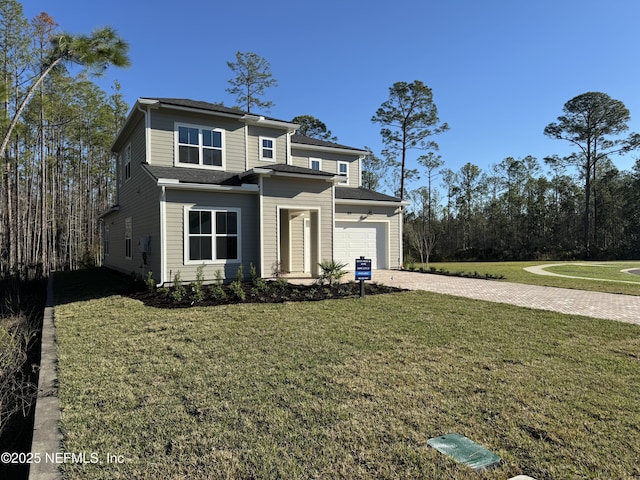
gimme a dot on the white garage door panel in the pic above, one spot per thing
(352, 240)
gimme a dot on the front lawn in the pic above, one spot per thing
(343, 388)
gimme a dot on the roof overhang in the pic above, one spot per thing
(174, 184)
(322, 148)
(267, 122)
(115, 208)
(268, 172)
(382, 203)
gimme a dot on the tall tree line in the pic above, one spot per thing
(57, 168)
(522, 209)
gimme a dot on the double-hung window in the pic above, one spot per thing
(315, 163)
(343, 171)
(127, 238)
(200, 146)
(212, 235)
(267, 149)
(127, 163)
(107, 239)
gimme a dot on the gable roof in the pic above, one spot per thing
(198, 104)
(192, 175)
(351, 193)
(315, 142)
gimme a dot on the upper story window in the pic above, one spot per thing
(267, 149)
(315, 164)
(200, 146)
(343, 171)
(127, 163)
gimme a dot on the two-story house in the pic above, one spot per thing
(199, 183)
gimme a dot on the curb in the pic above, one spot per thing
(47, 437)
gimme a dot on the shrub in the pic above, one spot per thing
(150, 282)
(237, 290)
(198, 291)
(332, 271)
(179, 291)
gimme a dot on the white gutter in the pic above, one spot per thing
(260, 120)
(321, 148)
(176, 185)
(349, 201)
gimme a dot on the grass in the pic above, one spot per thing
(514, 272)
(343, 389)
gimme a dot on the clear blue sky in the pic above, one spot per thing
(500, 70)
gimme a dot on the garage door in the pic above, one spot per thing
(352, 240)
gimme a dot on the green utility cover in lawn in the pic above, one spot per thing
(465, 451)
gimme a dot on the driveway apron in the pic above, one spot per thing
(623, 308)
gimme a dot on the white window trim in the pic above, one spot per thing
(126, 164)
(213, 210)
(176, 147)
(346, 177)
(313, 159)
(128, 236)
(273, 149)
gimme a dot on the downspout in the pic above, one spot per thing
(163, 236)
(147, 129)
(246, 147)
(401, 242)
(261, 225)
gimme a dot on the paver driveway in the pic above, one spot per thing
(624, 308)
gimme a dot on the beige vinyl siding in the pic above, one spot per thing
(176, 202)
(300, 158)
(163, 126)
(296, 194)
(360, 213)
(254, 134)
(138, 156)
(139, 200)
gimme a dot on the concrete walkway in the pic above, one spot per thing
(623, 308)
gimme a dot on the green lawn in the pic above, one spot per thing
(514, 272)
(343, 389)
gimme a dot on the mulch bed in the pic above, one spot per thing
(270, 292)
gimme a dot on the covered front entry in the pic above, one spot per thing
(299, 240)
(355, 239)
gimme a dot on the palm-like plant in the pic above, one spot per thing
(332, 271)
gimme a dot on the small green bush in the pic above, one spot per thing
(196, 287)
(237, 290)
(178, 291)
(150, 282)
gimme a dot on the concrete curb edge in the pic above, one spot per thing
(47, 436)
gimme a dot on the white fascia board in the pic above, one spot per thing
(260, 120)
(350, 201)
(304, 175)
(322, 148)
(174, 184)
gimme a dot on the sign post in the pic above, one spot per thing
(363, 272)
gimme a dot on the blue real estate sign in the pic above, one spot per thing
(363, 268)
